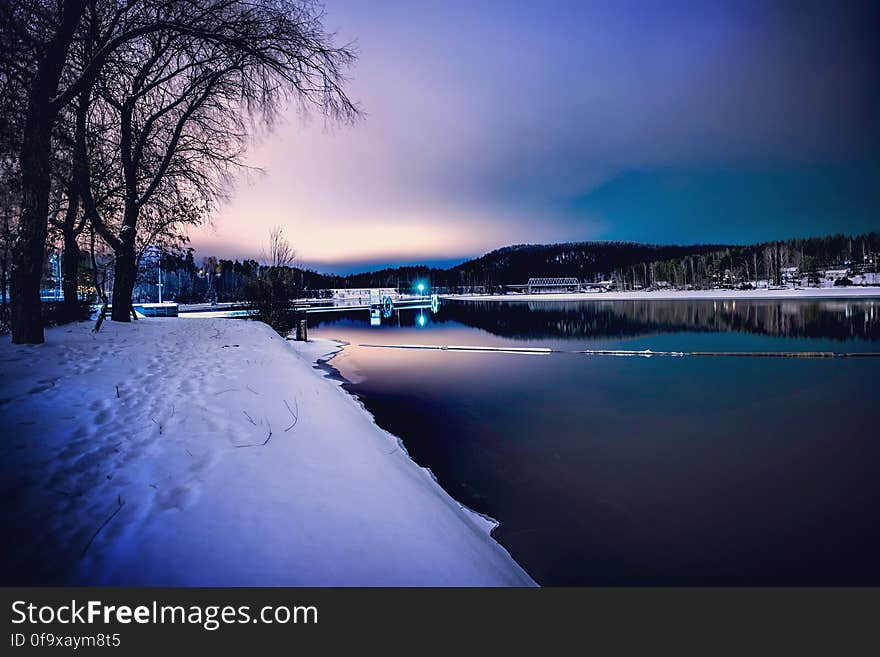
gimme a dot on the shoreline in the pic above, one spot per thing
(683, 295)
(331, 373)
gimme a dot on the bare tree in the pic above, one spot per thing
(272, 292)
(12, 103)
(42, 32)
(66, 217)
(186, 104)
(192, 68)
(280, 252)
(8, 212)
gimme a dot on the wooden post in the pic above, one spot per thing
(302, 327)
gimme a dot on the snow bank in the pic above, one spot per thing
(213, 452)
(667, 295)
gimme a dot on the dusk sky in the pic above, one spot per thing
(495, 123)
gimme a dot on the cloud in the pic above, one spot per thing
(489, 123)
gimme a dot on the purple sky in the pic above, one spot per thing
(492, 123)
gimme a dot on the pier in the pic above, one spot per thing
(378, 306)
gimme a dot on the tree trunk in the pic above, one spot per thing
(34, 159)
(70, 276)
(124, 274)
(29, 249)
(4, 258)
(3, 281)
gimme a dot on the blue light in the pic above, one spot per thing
(421, 287)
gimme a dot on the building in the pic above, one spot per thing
(790, 275)
(832, 275)
(553, 285)
(362, 296)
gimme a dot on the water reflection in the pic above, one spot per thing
(642, 471)
(837, 320)
(840, 320)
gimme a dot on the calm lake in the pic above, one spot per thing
(633, 470)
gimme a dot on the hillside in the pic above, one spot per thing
(584, 260)
(640, 265)
(515, 264)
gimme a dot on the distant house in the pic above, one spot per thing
(790, 275)
(832, 275)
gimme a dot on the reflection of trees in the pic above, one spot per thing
(820, 319)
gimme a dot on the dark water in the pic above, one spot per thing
(610, 470)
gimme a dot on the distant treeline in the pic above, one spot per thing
(629, 265)
(776, 263)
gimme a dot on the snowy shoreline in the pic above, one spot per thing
(321, 352)
(212, 452)
(321, 357)
(685, 295)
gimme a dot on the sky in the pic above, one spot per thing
(493, 123)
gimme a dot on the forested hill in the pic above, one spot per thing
(515, 264)
(631, 264)
(583, 260)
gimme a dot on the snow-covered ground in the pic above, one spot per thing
(213, 452)
(661, 295)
